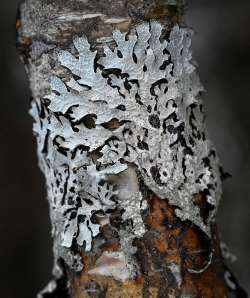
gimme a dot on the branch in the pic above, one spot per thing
(133, 182)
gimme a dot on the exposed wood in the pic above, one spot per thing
(168, 241)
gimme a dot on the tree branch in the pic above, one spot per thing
(133, 182)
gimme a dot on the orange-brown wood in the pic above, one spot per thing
(167, 241)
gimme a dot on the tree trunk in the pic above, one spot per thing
(133, 182)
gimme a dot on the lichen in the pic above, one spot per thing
(176, 271)
(228, 279)
(136, 106)
(226, 253)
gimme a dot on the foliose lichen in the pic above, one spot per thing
(137, 106)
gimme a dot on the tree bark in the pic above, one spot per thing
(164, 249)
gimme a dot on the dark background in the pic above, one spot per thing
(222, 49)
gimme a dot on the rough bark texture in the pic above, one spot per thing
(175, 258)
(168, 241)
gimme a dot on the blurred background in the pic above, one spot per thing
(221, 46)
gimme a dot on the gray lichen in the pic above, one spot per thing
(50, 288)
(134, 111)
(176, 271)
(228, 279)
(226, 253)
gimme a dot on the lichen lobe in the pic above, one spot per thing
(133, 112)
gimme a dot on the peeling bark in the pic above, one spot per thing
(129, 231)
